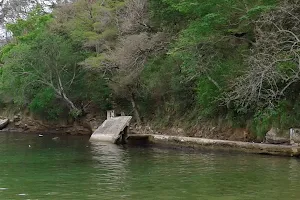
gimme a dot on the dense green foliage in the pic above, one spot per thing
(213, 52)
(41, 69)
(166, 59)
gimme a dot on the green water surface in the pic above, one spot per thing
(33, 167)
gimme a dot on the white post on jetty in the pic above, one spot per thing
(110, 114)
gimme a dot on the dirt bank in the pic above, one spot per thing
(204, 130)
(28, 124)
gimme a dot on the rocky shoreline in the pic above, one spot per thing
(23, 124)
(284, 143)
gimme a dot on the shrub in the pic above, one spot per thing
(45, 105)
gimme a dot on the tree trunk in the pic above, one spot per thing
(70, 104)
(75, 112)
(135, 110)
(214, 82)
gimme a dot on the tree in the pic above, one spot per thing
(119, 37)
(130, 57)
(39, 59)
(93, 24)
(49, 61)
(136, 43)
(273, 67)
(11, 10)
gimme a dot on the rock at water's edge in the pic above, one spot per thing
(274, 136)
(3, 123)
(295, 135)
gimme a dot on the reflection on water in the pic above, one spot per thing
(110, 159)
(75, 169)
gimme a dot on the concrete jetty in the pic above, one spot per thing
(248, 147)
(224, 145)
(113, 130)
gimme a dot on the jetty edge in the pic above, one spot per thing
(198, 143)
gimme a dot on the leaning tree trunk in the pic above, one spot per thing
(75, 112)
(135, 110)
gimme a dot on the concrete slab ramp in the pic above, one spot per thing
(112, 129)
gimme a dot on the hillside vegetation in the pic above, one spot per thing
(167, 62)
